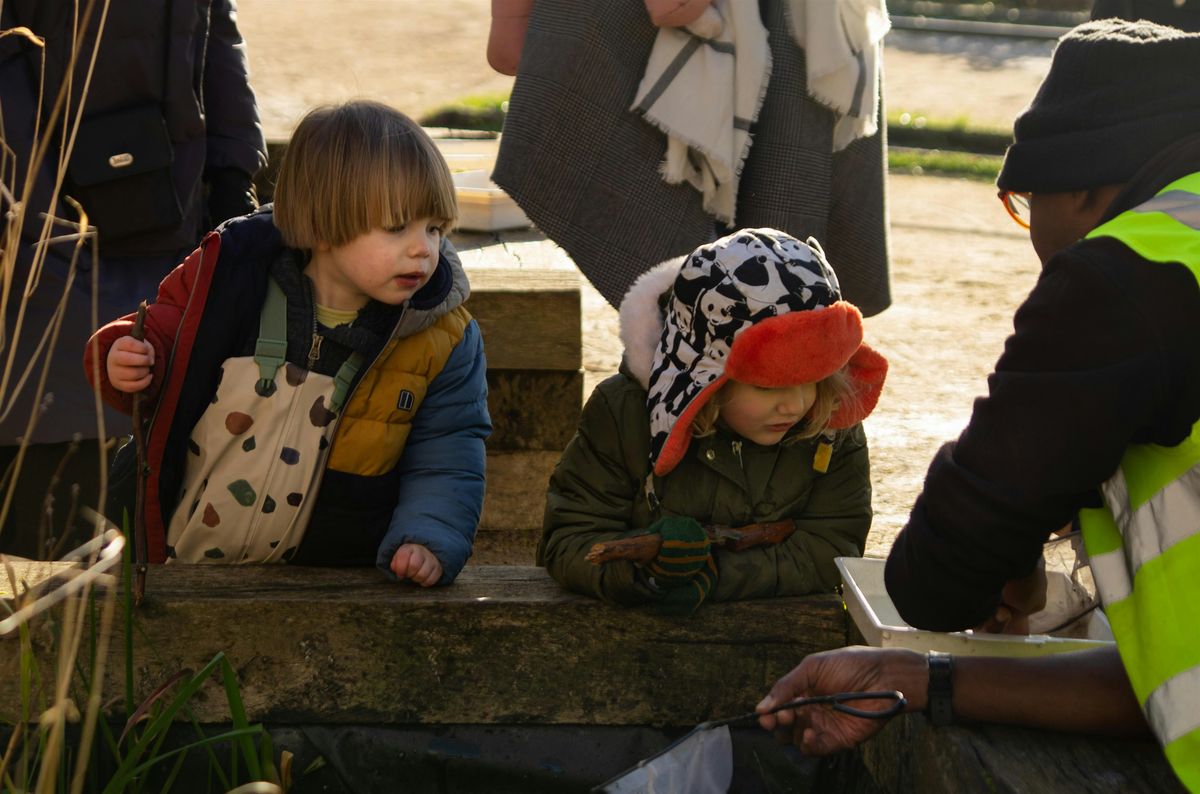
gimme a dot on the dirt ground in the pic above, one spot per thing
(959, 265)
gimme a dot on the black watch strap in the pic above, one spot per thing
(941, 688)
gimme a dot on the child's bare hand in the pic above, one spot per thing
(414, 561)
(129, 364)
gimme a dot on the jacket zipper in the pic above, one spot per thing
(338, 419)
(314, 350)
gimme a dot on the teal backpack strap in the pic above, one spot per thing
(270, 351)
(343, 379)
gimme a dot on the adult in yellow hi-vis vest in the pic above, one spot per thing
(1092, 418)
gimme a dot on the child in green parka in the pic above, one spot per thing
(740, 398)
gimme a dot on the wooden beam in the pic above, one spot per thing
(530, 318)
(533, 409)
(910, 755)
(501, 645)
(516, 489)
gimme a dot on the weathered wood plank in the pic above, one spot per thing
(911, 755)
(530, 319)
(516, 489)
(502, 645)
(533, 409)
(21, 575)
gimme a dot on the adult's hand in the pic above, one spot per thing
(819, 730)
(230, 194)
(1019, 599)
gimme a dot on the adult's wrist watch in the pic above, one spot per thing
(940, 697)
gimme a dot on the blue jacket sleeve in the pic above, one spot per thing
(442, 468)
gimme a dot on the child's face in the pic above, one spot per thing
(388, 265)
(765, 415)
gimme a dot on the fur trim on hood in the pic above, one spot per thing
(641, 317)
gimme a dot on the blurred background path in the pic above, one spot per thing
(959, 265)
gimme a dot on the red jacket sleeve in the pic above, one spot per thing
(162, 325)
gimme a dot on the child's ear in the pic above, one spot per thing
(322, 246)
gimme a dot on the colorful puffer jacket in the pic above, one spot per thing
(400, 470)
(599, 491)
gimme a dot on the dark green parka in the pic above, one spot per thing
(598, 492)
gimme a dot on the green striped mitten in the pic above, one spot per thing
(684, 567)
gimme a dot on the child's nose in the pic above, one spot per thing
(420, 247)
(791, 401)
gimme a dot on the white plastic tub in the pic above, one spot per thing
(484, 207)
(469, 154)
(868, 603)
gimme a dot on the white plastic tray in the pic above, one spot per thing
(881, 625)
(469, 154)
(484, 207)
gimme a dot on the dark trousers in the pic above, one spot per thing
(54, 480)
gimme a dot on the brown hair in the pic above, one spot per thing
(833, 392)
(358, 166)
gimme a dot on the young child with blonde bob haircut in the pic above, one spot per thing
(739, 402)
(316, 389)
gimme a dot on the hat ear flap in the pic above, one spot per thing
(681, 432)
(867, 371)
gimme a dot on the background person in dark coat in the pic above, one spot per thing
(167, 147)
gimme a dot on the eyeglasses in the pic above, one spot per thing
(1017, 205)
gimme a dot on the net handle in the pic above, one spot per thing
(838, 701)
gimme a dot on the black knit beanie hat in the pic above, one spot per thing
(1117, 93)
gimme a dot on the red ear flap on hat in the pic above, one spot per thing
(866, 370)
(681, 431)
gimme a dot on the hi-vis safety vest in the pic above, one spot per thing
(1145, 545)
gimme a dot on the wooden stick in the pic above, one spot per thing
(644, 548)
(140, 555)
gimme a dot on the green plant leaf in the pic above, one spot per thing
(148, 703)
(127, 608)
(124, 775)
(137, 771)
(237, 713)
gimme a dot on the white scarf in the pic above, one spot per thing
(842, 44)
(704, 85)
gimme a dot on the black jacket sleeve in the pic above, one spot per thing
(1104, 354)
(235, 136)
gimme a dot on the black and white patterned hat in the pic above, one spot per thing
(757, 306)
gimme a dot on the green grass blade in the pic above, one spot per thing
(170, 781)
(213, 764)
(159, 725)
(127, 609)
(237, 713)
(140, 769)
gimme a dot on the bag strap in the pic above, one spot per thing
(343, 379)
(270, 350)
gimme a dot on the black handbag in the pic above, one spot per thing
(120, 172)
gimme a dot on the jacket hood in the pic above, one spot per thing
(446, 290)
(642, 319)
